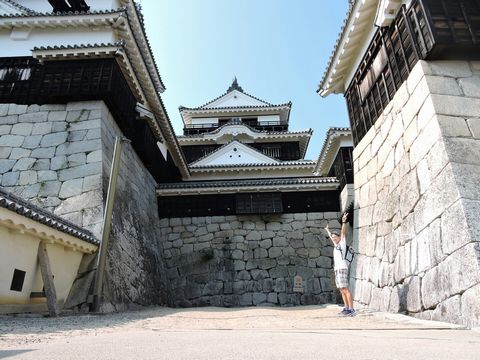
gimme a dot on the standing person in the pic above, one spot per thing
(341, 266)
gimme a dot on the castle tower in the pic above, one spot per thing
(247, 226)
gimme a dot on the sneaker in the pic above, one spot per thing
(344, 311)
(350, 312)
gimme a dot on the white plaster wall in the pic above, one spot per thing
(19, 251)
(233, 99)
(198, 121)
(269, 118)
(23, 43)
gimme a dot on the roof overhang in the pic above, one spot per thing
(335, 139)
(247, 186)
(282, 110)
(358, 24)
(24, 225)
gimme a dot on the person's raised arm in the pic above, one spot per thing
(344, 225)
(327, 229)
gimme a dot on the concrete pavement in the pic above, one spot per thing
(312, 332)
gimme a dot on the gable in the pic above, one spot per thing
(235, 153)
(235, 98)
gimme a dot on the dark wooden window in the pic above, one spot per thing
(342, 167)
(195, 152)
(287, 151)
(17, 280)
(227, 204)
(59, 82)
(266, 203)
(428, 29)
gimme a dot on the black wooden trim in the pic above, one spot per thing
(225, 204)
(59, 82)
(426, 30)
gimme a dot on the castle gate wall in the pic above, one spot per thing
(243, 260)
(417, 198)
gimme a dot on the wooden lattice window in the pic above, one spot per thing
(269, 203)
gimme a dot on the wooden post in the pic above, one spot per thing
(47, 277)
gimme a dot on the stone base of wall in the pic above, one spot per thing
(58, 157)
(249, 260)
(417, 198)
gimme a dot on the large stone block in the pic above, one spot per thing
(474, 126)
(463, 150)
(453, 126)
(449, 310)
(449, 68)
(11, 140)
(409, 194)
(456, 105)
(80, 171)
(21, 129)
(78, 147)
(457, 273)
(429, 136)
(471, 306)
(467, 183)
(35, 117)
(444, 85)
(459, 225)
(440, 195)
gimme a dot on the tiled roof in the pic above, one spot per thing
(337, 43)
(24, 208)
(79, 46)
(289, 104)
(234, 122)
(31, 13)
(327, 143)
(248, 182)
(275, 164)
(233, 87)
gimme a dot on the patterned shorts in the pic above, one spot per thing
(341, 278)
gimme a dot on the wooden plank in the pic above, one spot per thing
(47, 277)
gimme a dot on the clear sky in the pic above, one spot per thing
(277, 49)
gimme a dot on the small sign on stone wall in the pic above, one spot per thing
(298, 284)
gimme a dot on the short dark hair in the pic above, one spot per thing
(335, 233)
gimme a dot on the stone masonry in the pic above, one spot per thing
(58, 157)
(249, 260)
(417, 198)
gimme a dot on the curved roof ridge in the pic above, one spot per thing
(337, 43)
(233, 87)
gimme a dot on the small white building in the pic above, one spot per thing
(26, 230)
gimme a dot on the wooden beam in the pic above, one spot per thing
(47, 278)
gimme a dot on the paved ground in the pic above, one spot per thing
(311, 332)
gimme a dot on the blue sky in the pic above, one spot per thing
(278, 50)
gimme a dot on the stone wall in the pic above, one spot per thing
(58, 157)
(249, 260)
(417, 198)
